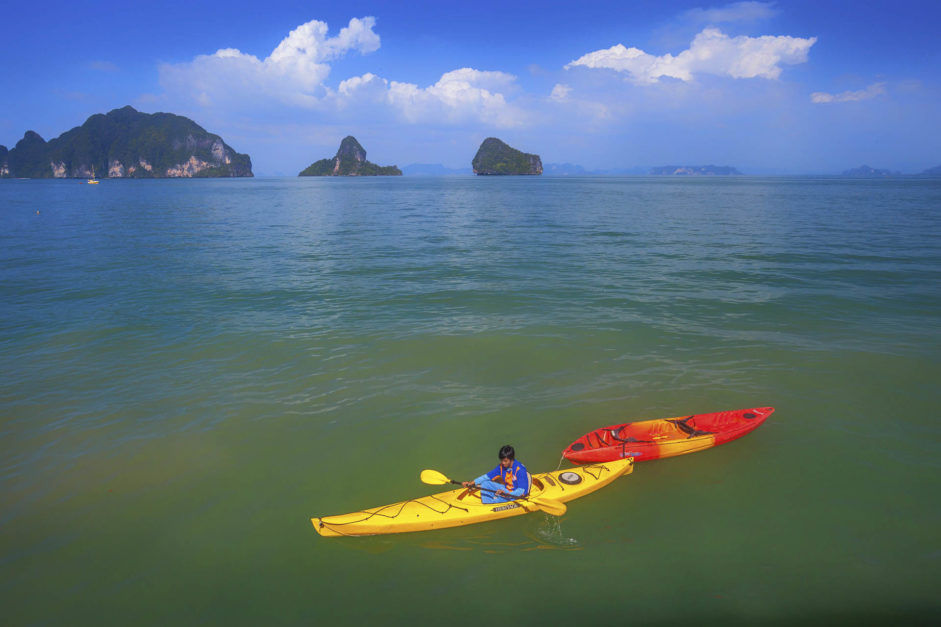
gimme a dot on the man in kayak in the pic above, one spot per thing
(508, 481)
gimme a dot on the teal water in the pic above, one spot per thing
(192, 369)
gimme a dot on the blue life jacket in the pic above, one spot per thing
(515, 478)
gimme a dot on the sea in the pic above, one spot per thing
(192, 369)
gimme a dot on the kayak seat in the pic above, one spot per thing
(537, 484)
(689, 429)
(630, 439)
(466, 492)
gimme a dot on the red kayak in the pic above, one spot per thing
(664, 437)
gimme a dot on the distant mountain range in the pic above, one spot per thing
(694, 170)
(569, 169)
(864, 171)
(125, 143)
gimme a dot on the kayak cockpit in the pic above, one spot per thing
(536, 487)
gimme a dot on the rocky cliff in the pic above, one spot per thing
(495, 157)
(350, 160)
(126, 143)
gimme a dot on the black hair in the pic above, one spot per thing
(507, 452)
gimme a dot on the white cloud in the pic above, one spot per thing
(296, 71)
(293, 73)
(309, 42)
(711, 52)
(874, 90)
(368, 86)
(560, 92)
(735, 12)
(459, 96)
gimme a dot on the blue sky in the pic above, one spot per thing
(768, 87)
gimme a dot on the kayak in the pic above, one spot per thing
(464, 507)
(664, 437)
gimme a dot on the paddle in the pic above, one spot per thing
(433, 477)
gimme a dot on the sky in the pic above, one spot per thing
(787, 87)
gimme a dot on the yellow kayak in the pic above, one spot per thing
(464, 507)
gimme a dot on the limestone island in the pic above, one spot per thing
(125, 143)
(496, 158)
(694, 170)
(350, 160)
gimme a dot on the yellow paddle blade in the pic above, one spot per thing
(433, 477)
(549, 506)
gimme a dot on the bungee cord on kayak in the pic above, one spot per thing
(379, 511)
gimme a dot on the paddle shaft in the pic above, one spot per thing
(510, 496)
(550, 506)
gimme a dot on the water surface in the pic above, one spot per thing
(192, 369)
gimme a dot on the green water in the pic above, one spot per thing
(192, 369)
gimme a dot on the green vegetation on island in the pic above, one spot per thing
(126, 143)
(496, 158)
(350, 160)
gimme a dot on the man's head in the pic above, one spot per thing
(507, 455)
